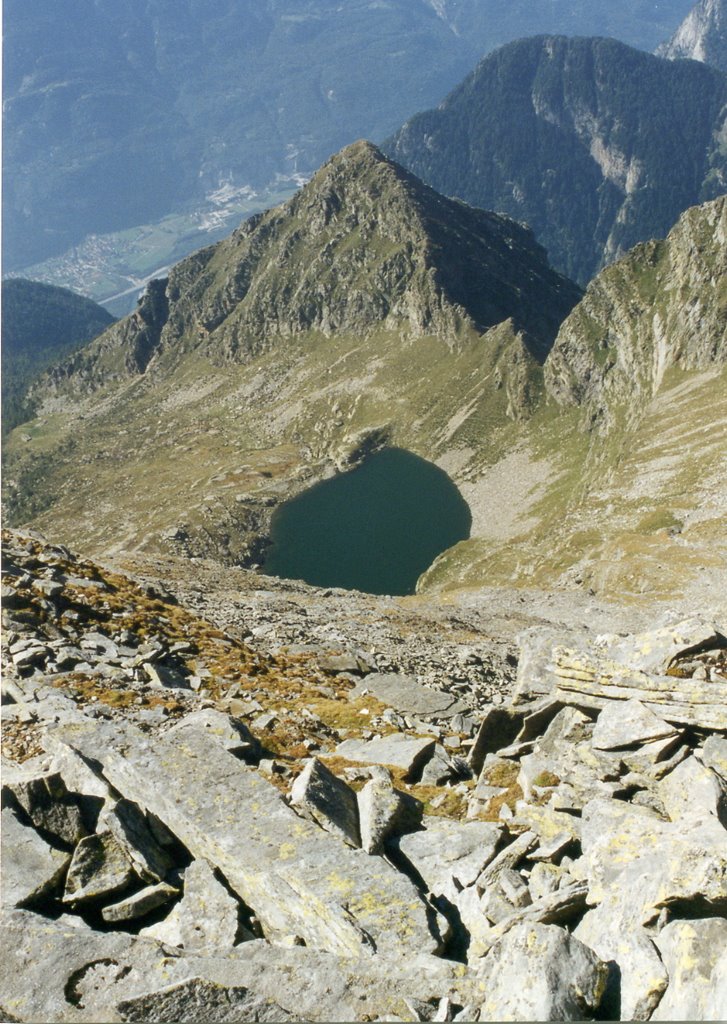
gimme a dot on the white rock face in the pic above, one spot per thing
(701, 36)
(695, 955)
(540, 972)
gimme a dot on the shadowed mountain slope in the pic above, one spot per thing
(40, 325)
(595, 145)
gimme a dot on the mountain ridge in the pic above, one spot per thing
(379, 250)
(594, 144)
(316, 333)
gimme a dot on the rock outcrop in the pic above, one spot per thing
(701, 36)
(634, 326)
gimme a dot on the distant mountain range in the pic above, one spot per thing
(118, 113)
(701, 36)
(368, 311)
(595, 145)
(40, 325)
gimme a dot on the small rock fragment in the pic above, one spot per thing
(695, 957)
(692, 790)
(714, 755)
(31, 869)
(628, 723)
(129, 827)
(99, 869)
(139, 904)
(198, 1000)
(385, 812)
(44, 798)
(328, 800)
(397, 750)
(540, 972)
(641, 978)
(450, 855)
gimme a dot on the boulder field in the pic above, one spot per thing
(206, 823)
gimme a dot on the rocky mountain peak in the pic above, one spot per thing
(660, 307)
(701, 36)
(596, 145)
(364, 246)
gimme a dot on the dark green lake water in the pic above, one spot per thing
(376, 528)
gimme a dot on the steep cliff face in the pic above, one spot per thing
(619, 482)
(701, 36)
(663, 306)
(595, 145)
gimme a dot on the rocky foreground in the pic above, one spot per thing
(351, 821)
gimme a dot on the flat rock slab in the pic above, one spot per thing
(62, 970)
(298, 879)
(627, 723)
(397, 750)
(140, 903)
(409, 697)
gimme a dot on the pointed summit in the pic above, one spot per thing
(367, 310)
(364, 246)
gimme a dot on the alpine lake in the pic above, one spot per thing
(375, 528)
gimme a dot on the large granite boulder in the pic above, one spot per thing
(298, 880)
